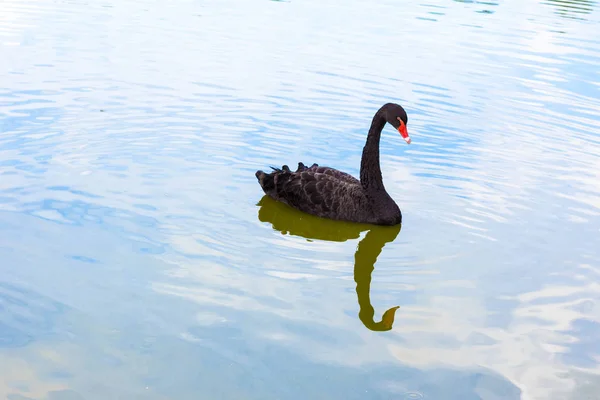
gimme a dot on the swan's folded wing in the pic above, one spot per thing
(312, 191)
(342, 176)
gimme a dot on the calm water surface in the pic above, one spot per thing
(138, 259)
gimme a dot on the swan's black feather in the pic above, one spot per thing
(322, 191)
(330, 193)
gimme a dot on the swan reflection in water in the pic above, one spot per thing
(290, 221)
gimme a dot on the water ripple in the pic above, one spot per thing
(130, 134)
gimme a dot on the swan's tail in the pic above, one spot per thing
(268, 182)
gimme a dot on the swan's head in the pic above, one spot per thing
(397, 117)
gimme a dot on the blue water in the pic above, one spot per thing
(139, 260)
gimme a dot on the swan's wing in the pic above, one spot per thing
(343, 176)
(314, 192)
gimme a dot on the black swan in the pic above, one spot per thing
(329, 193)
(314, 228)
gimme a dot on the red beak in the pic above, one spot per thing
(404, 132)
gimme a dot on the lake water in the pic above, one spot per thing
(139, 259)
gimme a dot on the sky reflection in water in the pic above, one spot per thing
(139, 260)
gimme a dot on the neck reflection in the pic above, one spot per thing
(290, 221)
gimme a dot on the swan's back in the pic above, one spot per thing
(321, 191)
(330, 171)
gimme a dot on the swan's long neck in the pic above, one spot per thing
(370, 171)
